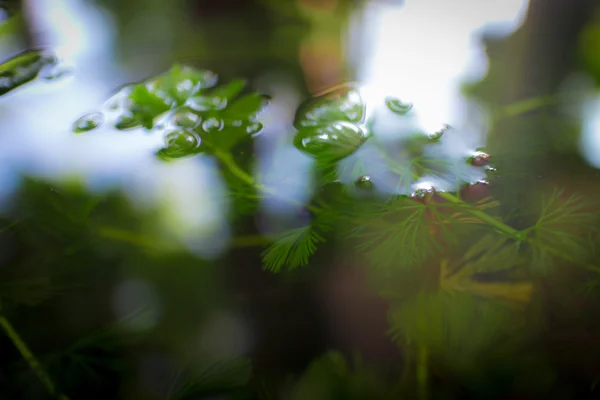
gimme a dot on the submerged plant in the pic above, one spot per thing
(456, 271)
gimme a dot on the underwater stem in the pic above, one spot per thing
(28, 356)
(230, 163)
(496, 223)
(422, 373)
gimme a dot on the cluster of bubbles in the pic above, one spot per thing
(31, 65)
(196, 115)
(187, 106)
(333, 125)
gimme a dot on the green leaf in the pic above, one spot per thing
(229, 91)
(30, 292)
(332, 377)
(146, 105)
(246, 107)
(214, 379)
(291, 249)
(23, 68)
(457, 328)
(397, 234)
(563, 227)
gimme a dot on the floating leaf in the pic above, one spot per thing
(182, 82)
(229, 91)
(245, 106)
(23, 68)
(146, 105)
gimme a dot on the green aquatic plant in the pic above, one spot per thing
(397, 204)
(186, 106)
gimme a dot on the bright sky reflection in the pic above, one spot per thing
(423, 50)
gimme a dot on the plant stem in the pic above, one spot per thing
(230, 163)
(422, 372)
(496, 223)
(28, 356)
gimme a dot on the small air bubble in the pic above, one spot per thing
(397, 106)
(480, 159)
(56, 72)
(206, 103)
(180, 143)
(364, 182)
(186, 119)
(254, 128)
(423, 192)
(88, 122)
(439, 133)
(212, 125)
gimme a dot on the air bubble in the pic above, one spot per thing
(340, 103)
(397, 106)
(206, 103)
(212, 125)
(88, 122)
(439, 133)
(332, 141)
(364, 182)
(186, 119)
(480, 159)
(180, 143)
(254, 128)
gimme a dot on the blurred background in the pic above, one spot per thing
(96, 231)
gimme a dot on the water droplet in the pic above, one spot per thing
(237, 123)
(212, 125)
(423, 192)
(126, 121)
(439, 133)
(364, 182)
(206, 103)
(185, 118)
(330, 142)
(88, 122)
(340, 103)
(180, 143)
(479, 159)
(56, 72)
(397, 106)
(254, 128)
